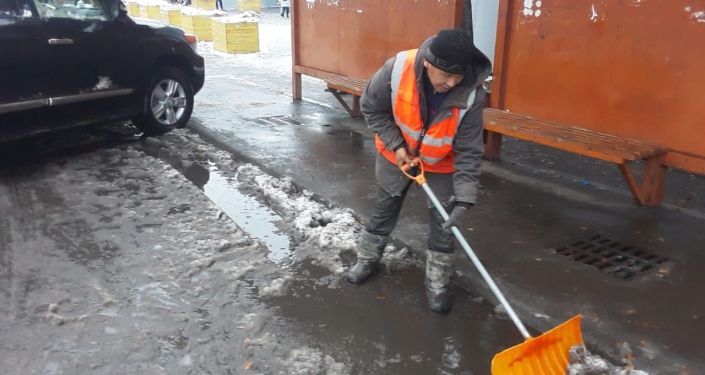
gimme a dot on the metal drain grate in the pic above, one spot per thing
(611, 257)
(277, 120)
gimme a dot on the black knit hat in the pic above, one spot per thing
(452, 51)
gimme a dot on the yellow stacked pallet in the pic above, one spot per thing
(153, 12)
(235, 37)
(133, 9)
(171, 16)
(204, 4)
(149, 11)
(245, 5)
(197, 25)
(164, 15)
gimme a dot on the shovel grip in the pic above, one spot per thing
(420, 178)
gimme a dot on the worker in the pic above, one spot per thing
(425, 106)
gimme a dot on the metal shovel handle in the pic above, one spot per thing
(421, 180)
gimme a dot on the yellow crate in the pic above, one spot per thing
(149, 11)
(197, 25)
(204, 4)
(240, 37)
(133, 9)
(171, 16)
(245, 5)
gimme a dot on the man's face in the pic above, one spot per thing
(442, 81)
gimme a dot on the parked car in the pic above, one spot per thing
(74, 62)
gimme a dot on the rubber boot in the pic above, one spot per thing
(439, 270)
(369, 250)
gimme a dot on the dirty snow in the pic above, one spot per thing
(169, 274)
(104, 83)
(582, 362)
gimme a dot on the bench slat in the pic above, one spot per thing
(338, 82)
(350, 89)
(579, 140)
(569, 135)
(529, 122)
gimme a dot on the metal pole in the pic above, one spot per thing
(476, 261)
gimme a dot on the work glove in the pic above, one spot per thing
(457, 216)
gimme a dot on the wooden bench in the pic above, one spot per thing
(353, 86)
(337, 85)
(621, 151)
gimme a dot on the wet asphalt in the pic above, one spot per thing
(125, 255)
(534, 201)
(99, 278)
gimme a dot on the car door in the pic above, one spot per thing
(23, 62)
(80, 37)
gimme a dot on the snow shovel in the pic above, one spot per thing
(544, 354)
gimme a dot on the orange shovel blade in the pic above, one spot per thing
(543, 355)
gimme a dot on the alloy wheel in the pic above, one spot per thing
(168, 102)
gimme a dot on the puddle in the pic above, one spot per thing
(249, 214)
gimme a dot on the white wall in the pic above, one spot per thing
(484, 25)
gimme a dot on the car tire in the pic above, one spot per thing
(168, 102)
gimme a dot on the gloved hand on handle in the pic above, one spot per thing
(457, 215)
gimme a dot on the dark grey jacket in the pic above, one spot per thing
(376, 105)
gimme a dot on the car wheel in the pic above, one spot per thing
(168, 102)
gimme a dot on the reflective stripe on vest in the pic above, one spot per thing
(437, 145)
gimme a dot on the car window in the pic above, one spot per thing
(15, 9)
(71, 9)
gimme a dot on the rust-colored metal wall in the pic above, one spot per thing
(634, 68)
(353, 38)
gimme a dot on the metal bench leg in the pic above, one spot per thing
(356, 112)
(493, 145)
(654, 181)
(650, 191)
(342, 102)
(296, 86)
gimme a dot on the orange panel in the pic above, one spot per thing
(354, 37)
(632, 68)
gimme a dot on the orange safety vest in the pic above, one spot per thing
(436, 150)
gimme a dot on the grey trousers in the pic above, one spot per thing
(388, 205)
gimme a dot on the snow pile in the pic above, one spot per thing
(582, 362)
(305, 361)
(322, 227)
(191, 11)
(169, 6)
(248, 16)
(150, 2)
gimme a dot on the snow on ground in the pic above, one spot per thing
(582, 362)
(327, 230)
(146, 275)
(322, 232)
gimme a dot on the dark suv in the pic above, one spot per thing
(73, 62)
